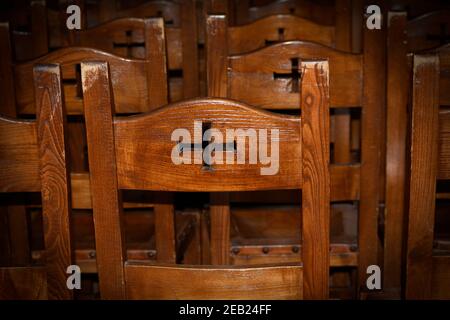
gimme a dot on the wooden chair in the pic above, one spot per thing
(428, 267)
(181, 35)
(34, 160)
(112, 141)
(148, 92)
(403, 37)
(267, 78)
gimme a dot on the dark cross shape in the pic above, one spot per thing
(204, 144)
(129, 44)
(295, 75)
(280, 37)
(443, 35)
(76, 81)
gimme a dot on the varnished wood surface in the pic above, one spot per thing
(147, 164)
(168, 282)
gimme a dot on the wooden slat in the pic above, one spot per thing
(316, 179)
(25, 283)
(444, 145)
(165, 228)
(255, 35)
(55, 193)
(104, 185)
(128, 99)
(396, 126)
(372, 121)
(147, 139)
(169, 282)
(253, 71)
(216, 55)
(424, 154)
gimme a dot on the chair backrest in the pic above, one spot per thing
(149, 89)
(246, 11)
(403, 36)
(427, 275)
(34, 160)
(182, 41)
(267, 78)
(153, 151)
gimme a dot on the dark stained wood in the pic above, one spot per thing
(128, 99)
(154, 130)
(220, 228)
(106, 198)
(424, 153)
(396, 126)
(24, 283)
(232, 283)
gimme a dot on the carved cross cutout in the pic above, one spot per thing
(204, 144)
(443, 37)
(295, 75)
(129, 43)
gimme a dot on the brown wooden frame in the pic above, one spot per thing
(108, 139)
(355, 81)
(427, 274)
(403, 37)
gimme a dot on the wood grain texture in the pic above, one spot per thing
(444, 145)
(19, 161)
(24, 283)
(396, 132)
(424, 152)
(169, 282)
(55, 183)
(144, 146)
(424, 31)
(316, 184)
(106, 198)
